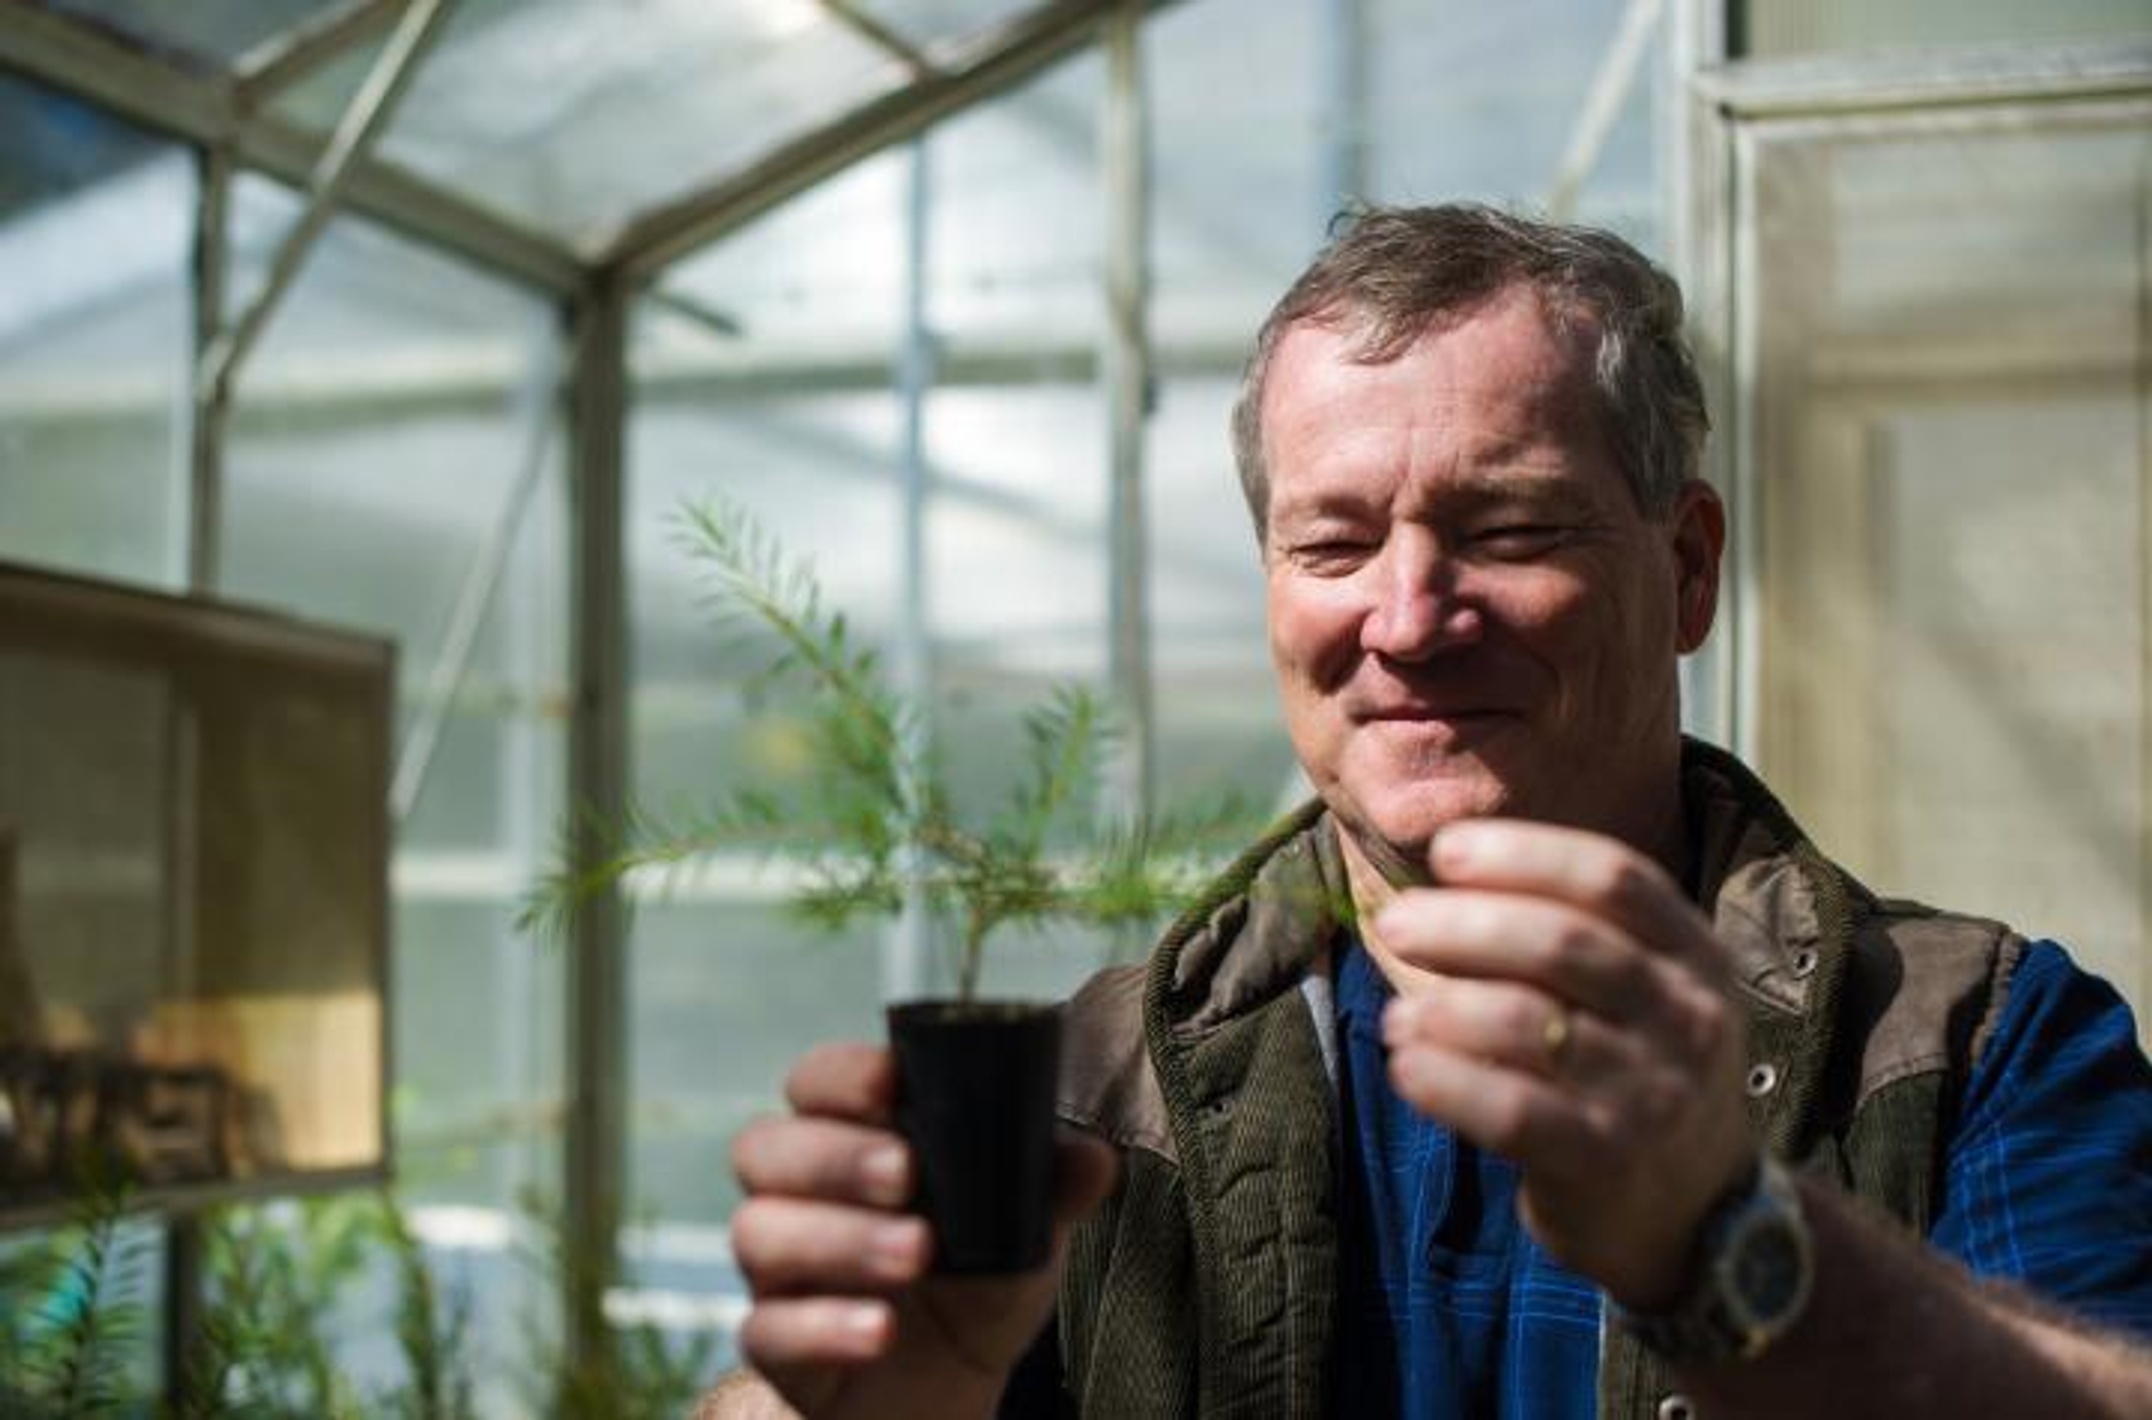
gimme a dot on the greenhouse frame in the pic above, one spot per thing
(424, 320)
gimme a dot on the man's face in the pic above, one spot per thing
(1468, 612)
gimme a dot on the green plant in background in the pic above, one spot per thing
(275, 1277)
(280, 1281)
(638, 1374)
(70, 1307)
(217, 1374)
(875, 819)
(432, 1332)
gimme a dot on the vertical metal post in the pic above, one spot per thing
(209, 406)
(1739, 672)
(208, 412)
(1695, 179)
(1684, 137)
(1125, 365)
(1341, 106)
(908, 965)
(596, 1142)
(528, 617)
(2144, 598)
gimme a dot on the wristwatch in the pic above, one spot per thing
(1750, 1282)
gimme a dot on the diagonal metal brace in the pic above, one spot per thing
(1610, 88)
(355, 132)
(291, 55)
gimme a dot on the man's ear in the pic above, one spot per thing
(1699, 536)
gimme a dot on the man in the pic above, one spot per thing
(1566, 1111)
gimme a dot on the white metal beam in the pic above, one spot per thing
(1125, 373)
(1895, 80)
(1341, 113)
(908, 959)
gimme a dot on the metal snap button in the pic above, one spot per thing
(1762, 1079)
(1804, 963)
(1677, 1407)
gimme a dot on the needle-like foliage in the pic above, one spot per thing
(633, 1370)
(432, 1332)
(75, 1314)
(874, 823)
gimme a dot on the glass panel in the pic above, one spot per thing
(393, 433)
(1236, 211)
(1235, 170)
(1016, 551)
(1016, 239)
(727, 990)
(478, 1054)
(939, 26)
(1826, 26)
(1218, 723)
(1952, 476)
(1460, 108)
(572, 117)
(93, 352)
(722, 986)
(215, 29)
(381, 432)
(815, 292)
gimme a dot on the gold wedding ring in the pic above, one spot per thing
(1554, 1035)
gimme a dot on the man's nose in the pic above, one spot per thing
(1419, 610)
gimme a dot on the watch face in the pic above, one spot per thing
(1766, 1271)
(1753, 1287)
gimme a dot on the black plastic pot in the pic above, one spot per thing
(975, 1099)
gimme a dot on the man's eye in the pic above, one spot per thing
(1332, 553)
(1518, 539)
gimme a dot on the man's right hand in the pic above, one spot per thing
(847, 1320)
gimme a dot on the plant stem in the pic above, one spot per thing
(976, 926)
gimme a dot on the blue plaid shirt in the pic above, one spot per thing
(1451, 1309)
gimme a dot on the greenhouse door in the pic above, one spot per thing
(1936, 306)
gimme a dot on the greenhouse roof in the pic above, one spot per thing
(543, 136)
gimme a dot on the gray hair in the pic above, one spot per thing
(1395, 272)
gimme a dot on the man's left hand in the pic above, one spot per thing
(1576, 1017)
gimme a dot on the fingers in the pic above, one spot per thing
(786, 1245)
(1503, 1023)
(849, 1080)
(1502, 1110)
(803, 1228)
(1596, 875)
(823, 1158)
(836, 1148)
(1570, 1121)
(1471, 932)
(781, 1336)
